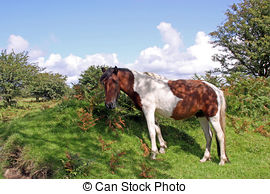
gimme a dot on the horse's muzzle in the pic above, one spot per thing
(110, 105)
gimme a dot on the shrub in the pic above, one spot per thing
(16, 72)
(48, 86)
(248, 96)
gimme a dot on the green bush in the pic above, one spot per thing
(248, 96)
(49, 86)
(16, 73)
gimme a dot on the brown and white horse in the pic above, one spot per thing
(177, 99)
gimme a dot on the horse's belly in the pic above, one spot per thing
(166, 106)
(164, 113)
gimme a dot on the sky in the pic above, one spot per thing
(168, 37)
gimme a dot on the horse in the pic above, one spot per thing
(177, 99)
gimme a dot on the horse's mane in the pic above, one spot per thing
(154, 75)
(147, 74)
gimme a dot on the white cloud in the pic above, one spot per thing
(170, 60)
(170, 36)
(17, 43)
(203, 52)
(173, 63)
(73, 66)
(35, 53)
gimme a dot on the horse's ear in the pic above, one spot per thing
(103, 69)
(115, 70)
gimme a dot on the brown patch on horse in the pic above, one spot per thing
(126, 81)
(196, 98)
(111, 88)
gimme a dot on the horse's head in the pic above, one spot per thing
(111, 85)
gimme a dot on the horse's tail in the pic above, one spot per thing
(222, 112)
(222, 120)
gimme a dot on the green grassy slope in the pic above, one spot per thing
(51, 139)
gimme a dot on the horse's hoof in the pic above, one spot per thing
(221, 163)
(204, 159)
(153, 155)
(162, 150)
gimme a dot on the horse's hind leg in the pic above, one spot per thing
(208, 137)
(215, 121)
(162, 143)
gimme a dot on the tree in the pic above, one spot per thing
(244, 39)
(48, 85)
(90, 78)
(89, 87)
(16, 72)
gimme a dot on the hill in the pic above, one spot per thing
(69, 139)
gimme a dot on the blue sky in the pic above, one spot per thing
(126, 28)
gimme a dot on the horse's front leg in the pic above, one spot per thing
(149, 113)
(163, 144)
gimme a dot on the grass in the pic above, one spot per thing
(23, 106)
(51, 139)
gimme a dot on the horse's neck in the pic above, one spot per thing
(126, 81)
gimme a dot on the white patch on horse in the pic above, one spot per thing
(208, 137)
(155, 93)
(215, 121)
